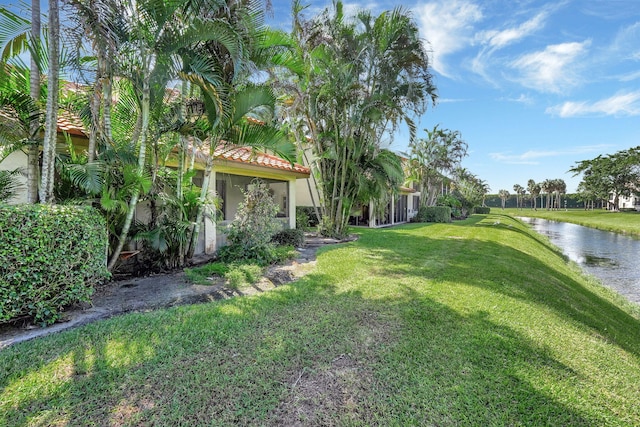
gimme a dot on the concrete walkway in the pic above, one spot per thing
(162, 291)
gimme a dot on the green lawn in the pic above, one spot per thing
(478, 322)
(622, 222)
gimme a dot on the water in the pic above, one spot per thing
(611, 257)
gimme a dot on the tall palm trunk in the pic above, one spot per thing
(142, 153)
(51, 121)
(32, 148)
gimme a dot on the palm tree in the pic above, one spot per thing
(51, 115)
(32, 149)
(546, 187)
(9, 184)
(560, 188)
(18, 35)
(484, 188)
(20, 111)
(504, 196)
(534, 190)
(518, 190)
(247, 102)
(440, 153)
(358, 80)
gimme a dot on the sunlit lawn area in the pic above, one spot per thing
(477, 322)
(625, 222)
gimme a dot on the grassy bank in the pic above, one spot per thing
(620, 222)
(472, 323)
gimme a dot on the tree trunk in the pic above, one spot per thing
(94, 105)
(142, 153)
(51, 120)
(34, 81)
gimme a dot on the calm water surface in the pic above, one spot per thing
(612, 257)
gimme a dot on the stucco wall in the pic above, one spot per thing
(15, 160)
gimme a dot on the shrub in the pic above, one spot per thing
(434, 214)
(50, 257)
(250, 233)
(289, 237)
(307, 215)
(302, 219)
(482, 210)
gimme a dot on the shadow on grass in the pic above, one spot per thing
(454, 370)
(305, 354)
(312, 354)
(508, 271)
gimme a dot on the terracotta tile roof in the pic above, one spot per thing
(246, 155)
(67, 122)
(407, 189)
(70, 123)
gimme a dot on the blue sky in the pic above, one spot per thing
(533, 86)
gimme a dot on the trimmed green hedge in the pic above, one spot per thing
(434, 214)
(482, 210)
(50, 257)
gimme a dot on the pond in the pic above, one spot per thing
(611, 257)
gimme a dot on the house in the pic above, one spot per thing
(624, 202)
(234, 169)
(401, 206)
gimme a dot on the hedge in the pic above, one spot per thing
(482, 210)
(50, 257)
(434, 214)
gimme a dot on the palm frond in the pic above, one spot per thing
(13, 34)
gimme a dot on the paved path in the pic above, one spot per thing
(161, 291)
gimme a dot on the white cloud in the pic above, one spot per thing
(552, 69)
(627, 42)
(452, 100)
(630, 76)
(499, 39)
(522, 99)
(622, 104)
(494, 40)
(448, 26)
(352, 8)
(532, 157)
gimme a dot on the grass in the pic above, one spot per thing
(204, 274)
(236, 275)
(478, 322)
(620, 222)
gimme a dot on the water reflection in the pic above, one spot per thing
(612, 257)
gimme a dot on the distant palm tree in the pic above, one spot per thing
(518, 190)
(546, 187)
(504, 196)
(534, 190)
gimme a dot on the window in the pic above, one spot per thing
(221, 192)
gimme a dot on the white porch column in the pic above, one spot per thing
(372, 215)
(392, 218)
(291, 197)
(210, 228)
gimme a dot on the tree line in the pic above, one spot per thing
(158, 85)
(605, 179)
